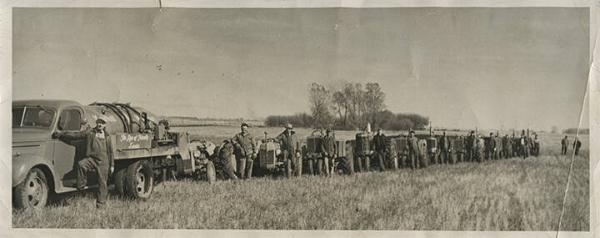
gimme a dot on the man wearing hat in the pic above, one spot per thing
(327, 153)
(444, 147)
(470, 146)
(564, 145)
(245, 152)
(290, 150)
(99, 157)
(413, 149)
(378, 145)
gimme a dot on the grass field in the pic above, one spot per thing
(513, 194)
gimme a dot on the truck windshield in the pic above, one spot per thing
(28, 116)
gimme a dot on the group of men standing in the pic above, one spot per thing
(377, 148)
(565, 145)
(237, 155)
(496, 147)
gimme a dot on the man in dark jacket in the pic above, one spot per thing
(245, 152)
(490, 147)
(565, 145)
(226, 156)
(99, 157)
(576, 145)
(524, 146)
(379, 148)
(444, 146)
(506, 147)
(290, 150)
(470, 146)
(327, 153)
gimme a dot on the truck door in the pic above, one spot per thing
(68, 152)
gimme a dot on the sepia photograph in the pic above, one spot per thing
(332, 118)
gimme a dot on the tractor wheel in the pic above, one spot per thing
(32, 193)
(119, 180)
(139, 180)
(211, 175)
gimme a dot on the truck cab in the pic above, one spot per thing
(40, 163)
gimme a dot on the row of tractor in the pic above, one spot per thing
(357, 155)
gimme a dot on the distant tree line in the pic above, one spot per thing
(298, 119)
(350, 107)
(574, 131)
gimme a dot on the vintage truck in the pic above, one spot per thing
(145, 151)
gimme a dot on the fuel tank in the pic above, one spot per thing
(121, 118)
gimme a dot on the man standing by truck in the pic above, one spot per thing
(327, 153)
(290, 150)
(378, 145)
(245, 152)
(99, 157)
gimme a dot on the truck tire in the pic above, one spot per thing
(119, 180)
(32, 193)
(211, 174)
(139, 180)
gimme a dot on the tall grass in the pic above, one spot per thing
(513, 194)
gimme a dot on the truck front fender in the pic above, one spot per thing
(23, 164)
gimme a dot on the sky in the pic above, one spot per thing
(462, 67)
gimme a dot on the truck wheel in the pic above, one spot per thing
(33, 192)
(139, 180)
(119, 180)
(211, 175)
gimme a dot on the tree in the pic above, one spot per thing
(320, 100)
(373, 100)
(340, 106)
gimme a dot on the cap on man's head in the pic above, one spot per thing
(289, 126)
(244, 124)
(101, 119)
(328, 130)
(411, 132)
